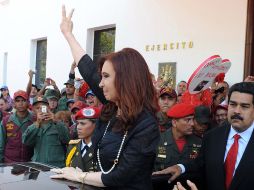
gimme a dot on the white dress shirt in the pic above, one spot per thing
(242, 142)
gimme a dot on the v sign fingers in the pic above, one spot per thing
(63, 12)
(70, 14)
(66, 24)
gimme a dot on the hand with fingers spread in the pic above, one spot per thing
(174, 170)
(66, 24)
(179, 186)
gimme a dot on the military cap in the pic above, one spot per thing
(90, 112)
(89, 92)
(20, 93)
(78, 105)
(168, 91)
(51, 93)
(4, 87)
(69, 81)
(69, 101)
(39, 99)
(63, 91)
(180, 110)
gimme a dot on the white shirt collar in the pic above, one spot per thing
(83, 144)
(245, 135)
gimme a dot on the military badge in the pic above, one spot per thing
(195, 151)
(9, 126)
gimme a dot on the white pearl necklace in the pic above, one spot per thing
(118, 154)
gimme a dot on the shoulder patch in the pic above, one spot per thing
(76, 141)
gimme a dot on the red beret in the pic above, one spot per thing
(88, 113)
(181, 110)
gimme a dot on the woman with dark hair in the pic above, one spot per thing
(127, 133)
(6, 95)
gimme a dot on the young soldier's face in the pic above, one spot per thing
(85, 128)
(166, 102)
(20, 104)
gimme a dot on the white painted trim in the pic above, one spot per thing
(90, 37)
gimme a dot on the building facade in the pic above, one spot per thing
(179, 32)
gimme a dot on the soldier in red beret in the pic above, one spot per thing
(177, 144)
(80, 151)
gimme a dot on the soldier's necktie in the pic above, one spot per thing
(231, 160)
(84, 149)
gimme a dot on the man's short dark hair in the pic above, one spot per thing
(35, 86)
(242, 87)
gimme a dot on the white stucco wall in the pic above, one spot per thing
(215, 27)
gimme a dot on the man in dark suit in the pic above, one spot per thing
(80, 151)
(227, 156)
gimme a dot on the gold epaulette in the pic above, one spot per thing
(76, 141)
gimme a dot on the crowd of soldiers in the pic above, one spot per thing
(55, 127)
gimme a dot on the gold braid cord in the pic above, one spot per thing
(69, 157)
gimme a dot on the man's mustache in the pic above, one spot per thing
(236, 117)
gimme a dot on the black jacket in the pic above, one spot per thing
(138, 154)
(211, 161)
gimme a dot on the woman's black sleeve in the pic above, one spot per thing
(89, 72)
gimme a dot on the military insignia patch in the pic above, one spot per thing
(162, 150)
(9, 126)
(195, 151)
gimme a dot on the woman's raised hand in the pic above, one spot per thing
(66, 24)
(66, 27)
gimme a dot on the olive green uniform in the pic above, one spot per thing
(75, 159)
(49, 141)
(62, 104)
(164, 121)
(168, 153)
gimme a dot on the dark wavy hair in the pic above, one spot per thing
(134, 86)
(242, 87)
